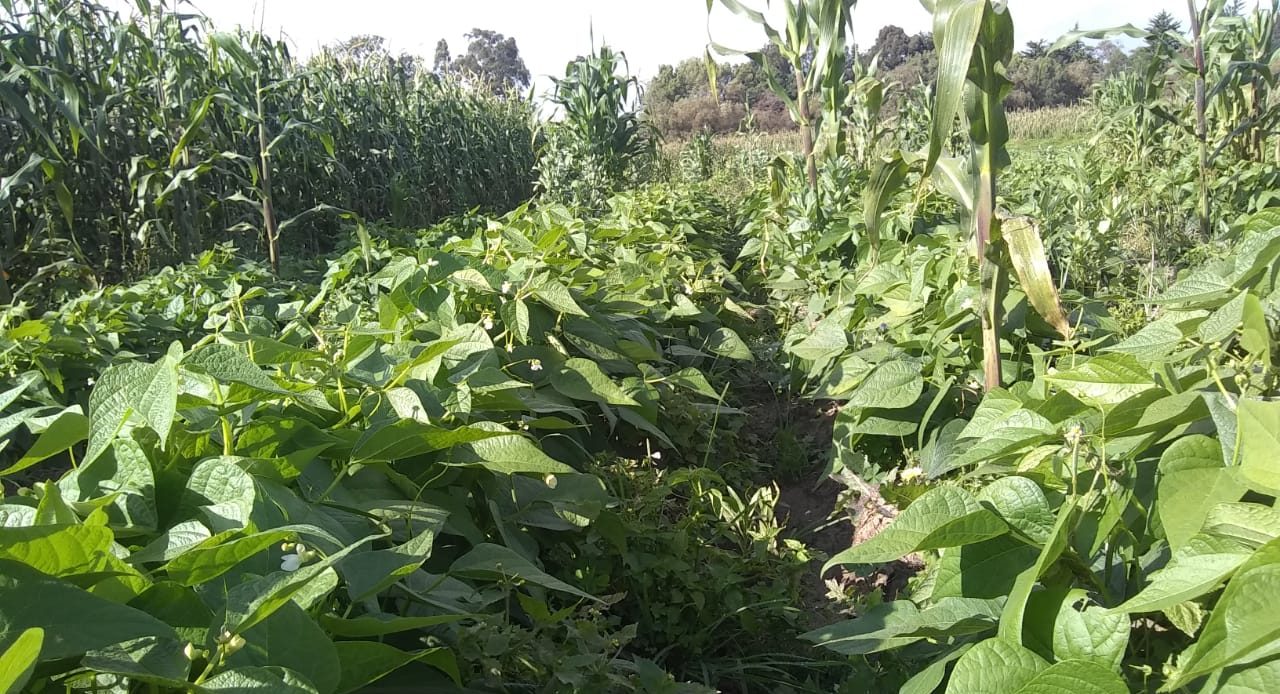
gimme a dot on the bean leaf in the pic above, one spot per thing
(945, 516)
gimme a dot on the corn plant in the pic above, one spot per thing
(1118, 461)
(974, 40)
(1242, 50)
(867, 130)
(1201, 122)
(1231, 63)
(1054, 123)
(601, 142)
(126, 145)
(697, 159)
(814, 43)
(1216, 91)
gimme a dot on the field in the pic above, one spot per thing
(343, 375)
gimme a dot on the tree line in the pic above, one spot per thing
(679, 101)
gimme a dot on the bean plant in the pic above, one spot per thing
(567, 448)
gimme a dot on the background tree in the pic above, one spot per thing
(920, 67)
(443, 60)
(367, 50)
(919, 63)
(893, 46)
(493, 60)
(1036, 49)
(678, 100)
(1043, 78)
(1113, 58)
(1163, 29)
(361, 48)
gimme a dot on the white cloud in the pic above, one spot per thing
(552, 32)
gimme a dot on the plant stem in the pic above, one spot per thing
(715, 423)
(214, 659)
(806, 130)
(228, 447)
(987, 270)
(268, 208)
(1202, 126)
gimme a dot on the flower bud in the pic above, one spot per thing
(233, 645)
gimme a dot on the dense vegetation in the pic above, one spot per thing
(125, 146)
(679, 100)
(918, 397)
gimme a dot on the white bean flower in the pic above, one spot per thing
(294, 560)
(911, 473)
(506, 287)
(488, 323)
(535, 364)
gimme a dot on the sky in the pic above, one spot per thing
(652, 33)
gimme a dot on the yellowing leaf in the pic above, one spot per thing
(1026, 251)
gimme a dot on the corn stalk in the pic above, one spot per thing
(1233, 58)
(129, 143)
(596, 97)
(974, 40)
(269, 225)
(814, 43)
(1202, 123)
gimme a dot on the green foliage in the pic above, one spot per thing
(1076, 527)
(600, 144)
(128, 146)
(711, 581)
(562, 652)
(492, 60)
(1093, 490)
(318, 486)
(20, 658)
(697, 160)
(526, 453)
(731, 167)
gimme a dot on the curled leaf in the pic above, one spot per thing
(1030, 262)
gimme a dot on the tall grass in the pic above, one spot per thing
(128, 144)
(1055, 123)
(731, 166)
